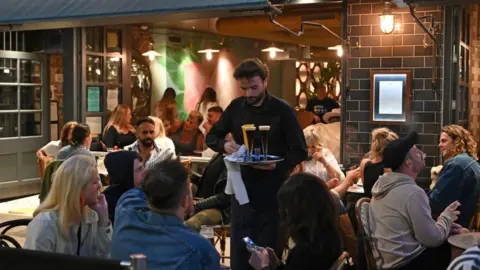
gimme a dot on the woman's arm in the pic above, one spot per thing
(110, 137)
(331, 165)
(199, 145)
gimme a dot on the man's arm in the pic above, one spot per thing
(444, 192)
(295, 141)
(216, 136)
(132, 199)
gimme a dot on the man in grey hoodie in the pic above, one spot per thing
(404, 235)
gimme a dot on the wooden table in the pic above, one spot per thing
(462, 242)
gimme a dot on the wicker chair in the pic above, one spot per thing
(6, 240)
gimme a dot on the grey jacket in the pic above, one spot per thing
(400, 221)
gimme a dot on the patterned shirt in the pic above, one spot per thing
(157, 154)
(469, 260)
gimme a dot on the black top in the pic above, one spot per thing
(371, 172)
(184, 149)
(113, 138)
(321, 107)
(285, 139)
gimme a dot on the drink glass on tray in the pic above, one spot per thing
(264, 137)
(248, 138)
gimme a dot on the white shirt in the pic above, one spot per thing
(52, 148)
(316, 168)
(165, 143)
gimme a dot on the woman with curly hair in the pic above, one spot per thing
(459, 180)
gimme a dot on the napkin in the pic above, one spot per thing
(235, 183)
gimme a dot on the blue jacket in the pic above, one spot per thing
(166, 242)
(458, 180)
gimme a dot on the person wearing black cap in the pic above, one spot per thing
(403, 232)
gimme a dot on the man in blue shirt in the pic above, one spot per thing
(149, 221)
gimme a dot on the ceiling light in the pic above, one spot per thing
(151, 54)
(272, 51)
(209, 53)
(338, 48)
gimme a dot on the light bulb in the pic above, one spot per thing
(209, 55)
(273, 53)
(340, 51)
(151, 57)
(387, 23)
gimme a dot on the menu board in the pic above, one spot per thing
(93, 99)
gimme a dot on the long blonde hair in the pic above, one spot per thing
(159, 127)
(69, 180)
(312, 136)
(380, 138)
(462, 139)
(119, 118)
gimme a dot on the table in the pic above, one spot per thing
(197, 162)
(356, 189)
(462, 242)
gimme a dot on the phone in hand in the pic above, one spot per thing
(251, 244)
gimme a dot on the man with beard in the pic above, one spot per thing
(145, 145)
(259, 218)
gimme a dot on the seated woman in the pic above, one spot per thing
(119, 132)
(125, 171)
(371, 167)
(162, 141)
(73, 219)
(321, 162)
(51, 149)
(314, 231)
(188, 138)
(81, 140)
(171, 119)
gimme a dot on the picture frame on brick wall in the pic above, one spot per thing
(390, 97)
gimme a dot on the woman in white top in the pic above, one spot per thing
(51, 149)
(207, 101)
(73, 219)
(321, 162)
(162, 141)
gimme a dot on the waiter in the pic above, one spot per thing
(259, 218)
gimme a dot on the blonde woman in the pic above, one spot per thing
(320, 161)
(73, 218)
(118, 131)
(372, 167)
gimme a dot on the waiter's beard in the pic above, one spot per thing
(255, 100)
(147, 142)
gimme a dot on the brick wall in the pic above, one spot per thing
(400, 50)
(474, 112)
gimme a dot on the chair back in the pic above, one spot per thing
(362, 213)
(7, 240)
(340, 262)
(47, 181)
(42, 165)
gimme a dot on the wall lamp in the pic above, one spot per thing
(387, 19)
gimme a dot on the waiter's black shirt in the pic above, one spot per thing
(285, 139)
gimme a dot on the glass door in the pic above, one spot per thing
(24, 121)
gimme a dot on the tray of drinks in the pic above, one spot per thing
(259, 160)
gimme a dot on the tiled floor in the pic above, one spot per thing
(23, 208)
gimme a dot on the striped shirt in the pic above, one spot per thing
(469, 260)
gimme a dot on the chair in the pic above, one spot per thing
(42, 166)
(6, 240)
(340, 262)
(47, 181)
(221, 233)
(361, 212)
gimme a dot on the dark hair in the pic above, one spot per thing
(209, 95)
(169, 93)
(165, 184)
(145, 120)
(64, 134)
(251, 68)
(216, 109)
(308, 215)
(79, 133)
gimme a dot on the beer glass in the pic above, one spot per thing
(264, 137)
(248, 138)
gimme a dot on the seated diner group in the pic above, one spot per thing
(154, 206)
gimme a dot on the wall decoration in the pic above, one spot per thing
(390, 97)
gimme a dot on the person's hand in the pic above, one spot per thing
(316, 119)
(451, 211)
(207, 126)
(333, 183)
(456, 228)
(274, 261)
(102, 210)
(231, 147)
(318, 156)
(259, 259)
(352, 176)
(267, 167)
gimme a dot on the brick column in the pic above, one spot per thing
(474, 114)
(401, 50)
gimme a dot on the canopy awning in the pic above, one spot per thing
(24, 11)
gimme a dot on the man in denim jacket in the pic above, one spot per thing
(459, 180)
(149, 221)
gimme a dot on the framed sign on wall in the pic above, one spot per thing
(390, 97)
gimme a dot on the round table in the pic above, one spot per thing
(462, 242)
